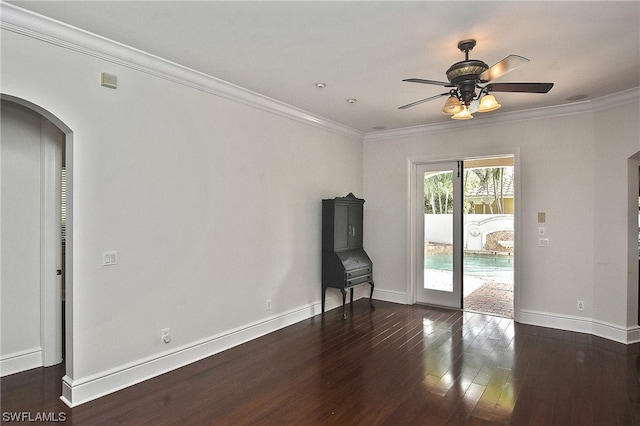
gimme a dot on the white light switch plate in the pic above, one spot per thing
(109, 258)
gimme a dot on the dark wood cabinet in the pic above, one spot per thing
(345, 264)
(342, 224)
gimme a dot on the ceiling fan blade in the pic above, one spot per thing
(509, 63)
(423, 101)
(520, 87)
(420, 80)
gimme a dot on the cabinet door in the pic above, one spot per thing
(355, 226)
(341, 228)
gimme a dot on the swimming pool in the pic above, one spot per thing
(489, 268)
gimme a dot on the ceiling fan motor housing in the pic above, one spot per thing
(466, 70)
(464, 75)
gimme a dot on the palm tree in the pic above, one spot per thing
(497, 175)
(484, 176)
(438, 193)
(492, 178)
(438, 189)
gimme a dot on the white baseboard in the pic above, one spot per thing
(391, 296)
(625, 335)
(363, 291)
(20, 361)
(84, 389)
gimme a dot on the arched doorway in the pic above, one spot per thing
(44, 160)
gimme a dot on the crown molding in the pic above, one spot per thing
(623, 98)
(609, 101)
(48, 30)
(45, 29)
(497, 119)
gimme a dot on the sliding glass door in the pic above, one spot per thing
(465, 235)
(439, 213)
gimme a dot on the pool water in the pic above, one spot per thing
(489, 268)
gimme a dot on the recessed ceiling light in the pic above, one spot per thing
(321, 85)
(352, 100)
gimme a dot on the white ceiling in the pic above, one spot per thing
(363, 50)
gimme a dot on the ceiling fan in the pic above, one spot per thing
(470, 76)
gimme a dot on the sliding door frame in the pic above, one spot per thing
(448, 299)
(414, 251)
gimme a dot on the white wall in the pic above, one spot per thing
(213, 206)
(20, 292)
(617, 132)
(572, 165)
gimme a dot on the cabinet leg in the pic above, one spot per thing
(344, 300)
(371, 297)
(351, 295)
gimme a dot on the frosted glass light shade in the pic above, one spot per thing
(465, 114)
(488, 103)
(452, 106)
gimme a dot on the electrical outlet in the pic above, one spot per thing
(166, 335)
(543, 242)
(580, 305)
(268, 304)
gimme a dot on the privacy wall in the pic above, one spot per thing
(211, 199)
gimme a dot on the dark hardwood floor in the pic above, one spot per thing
(396, 365)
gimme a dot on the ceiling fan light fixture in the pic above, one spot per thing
(468, 77)
(488, 103)
(452, 106)
(465, 114)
